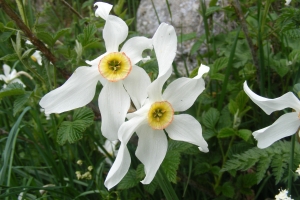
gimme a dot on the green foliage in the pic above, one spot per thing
(12, 89)
(275, 157)
(71, 131)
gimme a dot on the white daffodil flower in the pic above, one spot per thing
(11, 76)
(284, 126)
(116, 70)
(36, 56)
(150, 121)
(287, 2)
(110, 147)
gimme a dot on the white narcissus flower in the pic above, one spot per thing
(287, 2)
(150, 121)
(110, 147)
(36, 56)
(11, 76)
(116, 70)
(284, 126)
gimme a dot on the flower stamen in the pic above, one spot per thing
(115, 66)
(160, 115)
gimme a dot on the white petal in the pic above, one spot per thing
(37, 55)
(119, 168)
(102, 10)
(186, 128)
(6, 70)
(96, 61)
(187, 90)
(151, 150)
(115, 32)
(114, 103)
(165, 46)
(284, 126)
(3, 78)
(13, 74)
(76, 92)
(143, 111)
(202, 70)
(136, 84)
(134, 47)
(288, 100)
(129, 127)
(155, 88)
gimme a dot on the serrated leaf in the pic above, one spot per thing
(140, 172)
(20, 102)
(46, 38)
(87, 36)
(60, 33)
(219, 64)
(152, 186)
(10, 57)
(227, 190)
(12, 89)
(244, 134)
(178, 146)
(217, 76)
(170, 165)
(226, 132)
(128, 181)
(72, 131)
(262, 166)
(210, 118)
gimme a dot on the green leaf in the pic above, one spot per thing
(196, 46)
(152, 186)
(27, 52)
(129, 180)
(185, 37)
(170, 165)
(226, 132)
(219, 64)
(296, 89)
(178, 146)
(262, 166)
(46, 38)
(210, 118)
(10, 57)
(12, 89)
(217, 76)
(87, 36)
(129, 21)
(212, 10)
(150, 66)
(241, 100)
(72, 131)
(20, 102)
(227, 190)
(202, 168)
(5, 35)
(244, 134)
(61, 33)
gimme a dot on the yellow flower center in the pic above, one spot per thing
(160, 115)
(33, 58)
(115, 66)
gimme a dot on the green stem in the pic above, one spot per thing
(290, 174)
(165, 185)
(228, 72)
